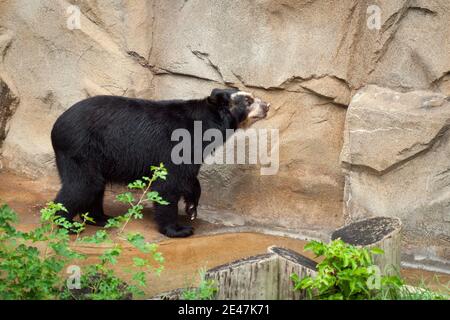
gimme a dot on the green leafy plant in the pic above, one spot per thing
(345, 273)
(417, 292)
(100, 281)
(206, 290)
(32, 263)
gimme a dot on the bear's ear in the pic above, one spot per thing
(221, 97)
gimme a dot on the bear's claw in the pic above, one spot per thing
(191, 211)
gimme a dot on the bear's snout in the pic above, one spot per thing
(259, 109)
(265, 106)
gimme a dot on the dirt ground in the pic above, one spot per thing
(212, 245)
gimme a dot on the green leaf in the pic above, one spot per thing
(113, 223)
(155, 197)
(110, 255)
(126, 198)
(138, 184)
(158, 257)
(140, 278)
(377, 251)
(86, 217)
(159, 172)
(135, 212)
(139, 262)
(7, 216)
(101, 236)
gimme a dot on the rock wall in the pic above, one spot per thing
(307, 57)
(396, 158)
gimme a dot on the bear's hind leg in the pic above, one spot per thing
(96, 210)
(76, 180)
(77, 198)
(81, 192)
(66, 197)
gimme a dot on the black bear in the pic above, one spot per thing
(110, 139)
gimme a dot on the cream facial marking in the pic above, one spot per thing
(241, 93)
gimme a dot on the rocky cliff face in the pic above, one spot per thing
(308, 58)
(396, 161)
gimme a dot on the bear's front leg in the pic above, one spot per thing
(166, 216)
(192, 198)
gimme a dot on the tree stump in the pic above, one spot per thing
(379, 232)
(262, 277)
(254, 278)
(290, 262)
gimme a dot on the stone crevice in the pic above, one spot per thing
(205, 57)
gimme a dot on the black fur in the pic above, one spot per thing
(108, 139)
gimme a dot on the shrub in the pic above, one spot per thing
(32, 263)
(345, 273)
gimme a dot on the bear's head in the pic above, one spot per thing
(244, 106)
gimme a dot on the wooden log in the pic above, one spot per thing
(379, 232)
(254, 278)
(261, 277)
(290, 262)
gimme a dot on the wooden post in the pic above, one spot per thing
(254, 278)
(290, 262)
(262, 277)
(379, 232)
